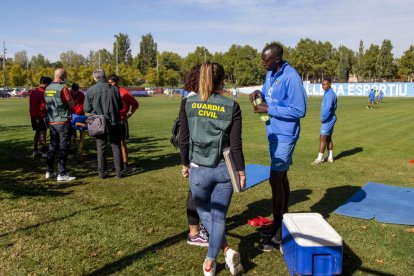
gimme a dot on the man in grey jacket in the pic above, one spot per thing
(103, 99)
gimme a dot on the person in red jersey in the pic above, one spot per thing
(78, 117)
(38, 116)
(130, 106)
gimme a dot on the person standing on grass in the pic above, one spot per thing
(58, 104)
(37, 109)
(210, 122)
(328, 119)
(104, 99)
(78, 116)
(284, 100)
(130, 106)
(197, 233)
(371, 99)
(380, 96)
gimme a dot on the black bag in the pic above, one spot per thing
(97, 125)
(175, 131)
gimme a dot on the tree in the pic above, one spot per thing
(344, 67)
(170, 60)
(304, 57)
(16, 76)
(370, 59)
(153, 78)
(385, 64)
(21, 59)
(124, 49)
(406, 64)
(242, 65)
(39, 61)
(73, 59)
(172, 77)
(359, 68)
(200, 54)
(102, 56)
(147, 57)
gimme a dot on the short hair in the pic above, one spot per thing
(45, 80)
(99, 74)
(275, 49)
(327, 79)
(113, 78)
(75, 86)
(192, 79)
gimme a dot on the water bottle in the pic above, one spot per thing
(263, 116)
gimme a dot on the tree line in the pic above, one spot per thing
(313, 60)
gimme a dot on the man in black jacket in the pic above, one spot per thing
(103, 99)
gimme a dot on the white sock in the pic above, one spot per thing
(320, 156)
(330, 154)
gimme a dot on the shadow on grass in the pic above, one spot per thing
(259, 208)
(351, 263)
(58, 219)
(350, 152)
(128, 260)
(23, 175)
(333, 198)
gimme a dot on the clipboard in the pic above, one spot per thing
(231, 167)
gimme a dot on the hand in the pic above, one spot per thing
(242, 176)
(255, 94)
(185, 171)
(261, 108)
(129, 114)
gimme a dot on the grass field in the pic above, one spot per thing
(137, 225)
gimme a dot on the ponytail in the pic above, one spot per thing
(206, 81)
(211, 79)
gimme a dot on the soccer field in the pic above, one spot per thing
(137, 225)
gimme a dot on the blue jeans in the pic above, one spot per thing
(212, 191)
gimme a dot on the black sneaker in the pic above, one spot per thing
(268, 245)
(267, 233)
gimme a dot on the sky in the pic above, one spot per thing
(53, 27)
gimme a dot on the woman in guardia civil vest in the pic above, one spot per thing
(211, 122)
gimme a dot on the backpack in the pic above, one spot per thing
(175, 131)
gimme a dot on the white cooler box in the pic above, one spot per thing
(310, 245)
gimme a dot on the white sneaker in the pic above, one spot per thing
(233, 262)
(50, 175)
(65, 178)
(44, 154)
(35, 153)
(317, 162)
(330, 159)
(212, 271)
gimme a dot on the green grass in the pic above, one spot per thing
(137, 225)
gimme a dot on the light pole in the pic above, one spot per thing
(116, 57)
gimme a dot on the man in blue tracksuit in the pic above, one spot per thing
(284, 100)
(371, 99)
(328, 119)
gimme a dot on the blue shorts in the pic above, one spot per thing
(281, 155)
(327, 128)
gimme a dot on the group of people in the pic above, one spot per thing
(374, 96)
(210, 122)
(53, 105)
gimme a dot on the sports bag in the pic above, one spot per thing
(175, 131)
(97, 125)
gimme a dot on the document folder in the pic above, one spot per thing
(234, 174)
